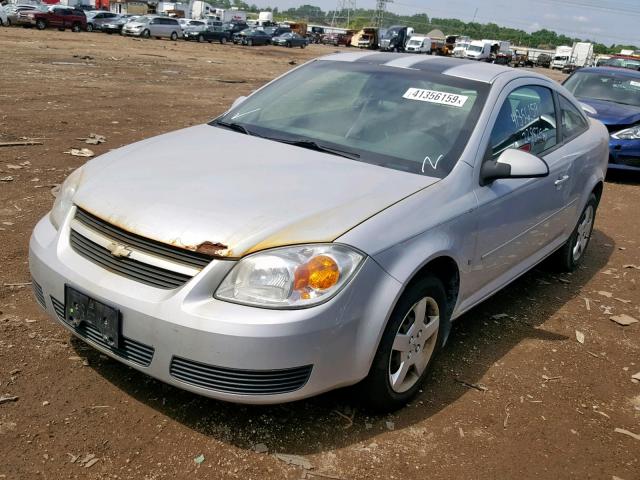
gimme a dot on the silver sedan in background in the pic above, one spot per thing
(326, 230)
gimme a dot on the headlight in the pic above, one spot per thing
(290, 277)
(632, 133)
(64, 200)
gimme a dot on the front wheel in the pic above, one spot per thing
(76, 28)
(89, 27)
(249, 43)
(571, 253)
(415, 332)
(41, 24)
(200, 39)
(223, 40)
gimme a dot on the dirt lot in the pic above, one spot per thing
(551, 404)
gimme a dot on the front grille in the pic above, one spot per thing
(38, 293)
(139, 271)
(130, 349)
(168, 252)
(239, 382)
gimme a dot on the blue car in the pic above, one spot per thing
(612, 95)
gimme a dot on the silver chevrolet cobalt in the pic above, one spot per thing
(326, 230)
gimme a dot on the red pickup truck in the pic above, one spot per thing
(58, 17)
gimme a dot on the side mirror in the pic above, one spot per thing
(238, 101)
(513, 163)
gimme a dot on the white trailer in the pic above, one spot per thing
(229, 15)
(581, 55)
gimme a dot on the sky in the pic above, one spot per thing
(605, 21)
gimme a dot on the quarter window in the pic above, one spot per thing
(527, 121)
(573, 122)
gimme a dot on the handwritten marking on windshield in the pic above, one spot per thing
(238, 115)
(433, 165)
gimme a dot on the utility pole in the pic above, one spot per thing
(343, 12)
(381, 8)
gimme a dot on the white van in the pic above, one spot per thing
(153, 26)
(479, 50)
(418, 44)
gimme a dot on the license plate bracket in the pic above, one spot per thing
(81, 309)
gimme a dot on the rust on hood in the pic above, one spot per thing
(213, 249)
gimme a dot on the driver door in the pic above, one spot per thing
(521, 220)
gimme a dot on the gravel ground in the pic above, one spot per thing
(551, 404)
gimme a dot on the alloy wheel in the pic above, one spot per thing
(583, 233)
(414, 344)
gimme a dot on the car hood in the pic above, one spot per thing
(135, 24)
(205, 186)
(611, 113)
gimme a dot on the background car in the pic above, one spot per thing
(59, 17)
(290, 39)
(153, 26)
(193, 26)
(17, 14)
(612, 95)
(255, 37)
(4, 18)
(209, 34)
(115, 25)
(96, 19)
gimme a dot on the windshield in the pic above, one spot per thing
(141, 20)
(622, 62)
(403, 119)
(560, 58)
(392, 32)
(415, 41)
(601, 86)
(475, 48)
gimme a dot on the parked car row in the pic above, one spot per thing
(149, 26)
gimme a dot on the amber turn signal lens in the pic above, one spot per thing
(319, 273)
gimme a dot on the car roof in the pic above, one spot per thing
(627, 72)
(456, 67)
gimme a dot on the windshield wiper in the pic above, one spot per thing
(318, 147)
(236, 127)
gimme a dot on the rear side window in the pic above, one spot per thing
(573, 123)
(526, 121)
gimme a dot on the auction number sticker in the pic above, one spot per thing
(434, 96)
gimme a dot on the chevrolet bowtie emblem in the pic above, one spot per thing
(118, 250)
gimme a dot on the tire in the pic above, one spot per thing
(570, 255)
(146, 34)
(76, 28)
(41, 24)
(249, 43)
(407, 348)
(302, 45)
(89, 27)
(174, 36)
(223, 40)
(289, 45)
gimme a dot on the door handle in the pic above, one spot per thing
(561, 180)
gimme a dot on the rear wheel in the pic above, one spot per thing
(174, 36)
(572, 252)
(41, 24)
(302, 45)
(223, 40)
(76, 27)
(89, 27)
(415, 332)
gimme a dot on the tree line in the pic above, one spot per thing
(361, 17)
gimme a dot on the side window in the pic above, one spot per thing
(527, 121)
(573, 122)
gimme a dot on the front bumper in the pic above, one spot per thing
(624, 154)
(334, 341)
(133, 33)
